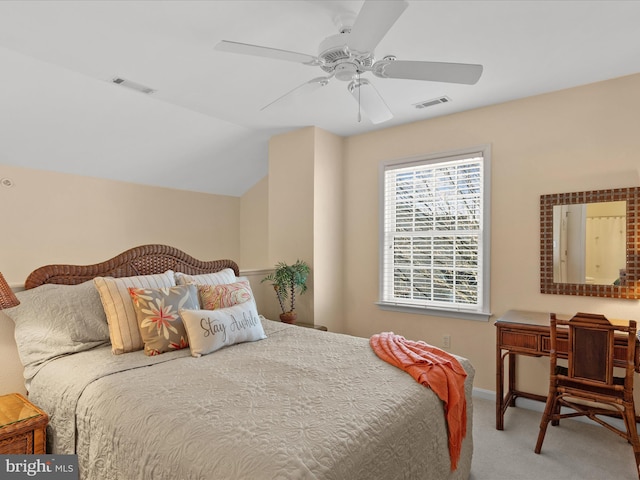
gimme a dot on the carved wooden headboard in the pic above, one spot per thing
(142, 260)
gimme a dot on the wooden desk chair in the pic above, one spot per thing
(587, 385)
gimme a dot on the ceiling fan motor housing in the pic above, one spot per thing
(337, 58)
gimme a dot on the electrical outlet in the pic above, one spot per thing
(446, 341)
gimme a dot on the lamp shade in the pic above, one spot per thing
(7, 297)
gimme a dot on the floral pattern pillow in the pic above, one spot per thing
(213, 297)
(158, 312)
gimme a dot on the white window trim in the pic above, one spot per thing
(484, 313)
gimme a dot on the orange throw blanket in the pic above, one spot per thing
(433, 368)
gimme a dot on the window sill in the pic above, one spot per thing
(435, 312)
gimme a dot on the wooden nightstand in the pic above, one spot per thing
(23, 426)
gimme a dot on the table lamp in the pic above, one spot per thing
(7, 297)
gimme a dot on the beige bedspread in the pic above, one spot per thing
(301, 404)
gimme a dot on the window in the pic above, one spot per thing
(435, 234)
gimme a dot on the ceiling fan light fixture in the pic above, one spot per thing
(373, 105)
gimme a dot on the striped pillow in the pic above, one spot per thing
(218, 278)
(118, 306)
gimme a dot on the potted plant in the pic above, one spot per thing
(286, 281)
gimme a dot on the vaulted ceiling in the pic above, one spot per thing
(203, 128)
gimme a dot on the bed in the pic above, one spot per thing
(296, 403)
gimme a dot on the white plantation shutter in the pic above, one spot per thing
(434, 233)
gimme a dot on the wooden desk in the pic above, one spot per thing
(527, 333)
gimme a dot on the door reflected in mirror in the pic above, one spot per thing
(589, 243)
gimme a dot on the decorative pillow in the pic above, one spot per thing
(223, 276)
(55, 320)
(158, 315)
(118, 306)
(210, 330)
(213, 297)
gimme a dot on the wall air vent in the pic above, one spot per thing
(432, 102)
(132, 85)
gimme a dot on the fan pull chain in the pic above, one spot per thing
(358, 84)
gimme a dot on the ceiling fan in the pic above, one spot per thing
(350, 53)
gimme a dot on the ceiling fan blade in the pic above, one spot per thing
(465, 73)
(373, 22)
(258, 51)
(370, 101)
(305, 88)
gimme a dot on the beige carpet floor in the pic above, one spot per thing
(573, 450)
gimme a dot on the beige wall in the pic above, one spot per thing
(291, 190)
(290, 201)
(328, 214)
(305, 198)
(254, 246)
(58, 218)
(579, 139)
(254, 226)
(303, 207)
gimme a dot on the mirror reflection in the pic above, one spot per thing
(599, 272)
(589, 243)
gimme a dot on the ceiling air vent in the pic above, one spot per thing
(133, 85)
(432, 102)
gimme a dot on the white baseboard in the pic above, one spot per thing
(484, 394)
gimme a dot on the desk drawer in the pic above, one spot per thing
(563, 345)
(619, 349)
(519, 341)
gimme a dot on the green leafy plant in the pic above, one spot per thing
(287, 280)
